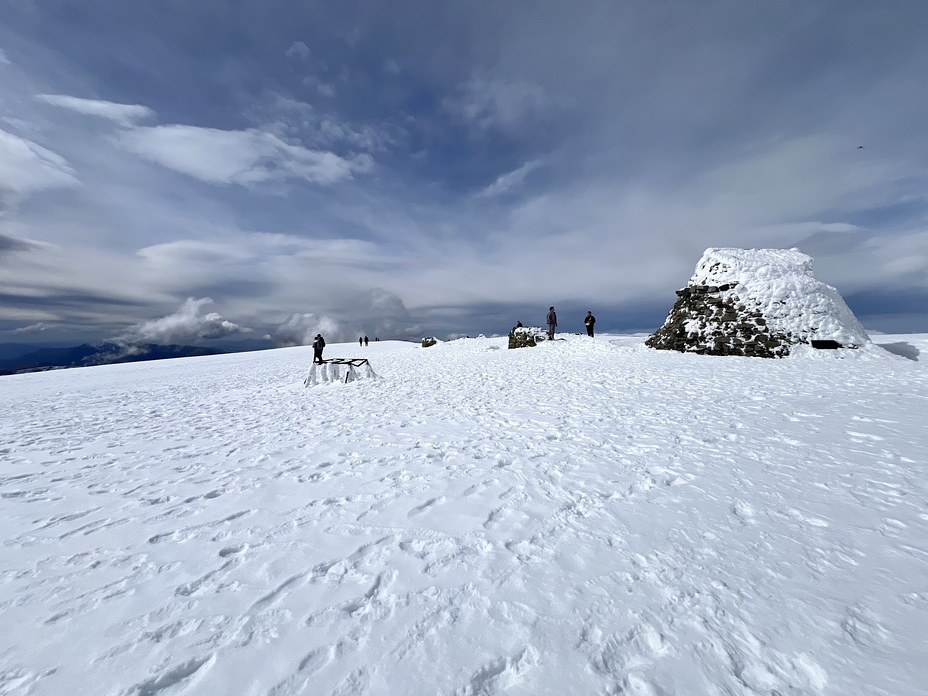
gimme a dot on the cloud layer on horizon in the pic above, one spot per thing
(438, 175)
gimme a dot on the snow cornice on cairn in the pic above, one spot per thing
(758, 303)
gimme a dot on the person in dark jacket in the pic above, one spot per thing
(318, 345)
(588, 322)
(366, 341)
(551, 321)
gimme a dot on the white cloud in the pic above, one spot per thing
(184, 326)
(298, 49)
(33, 328)
(123, 114)
(3, 59)
(300, 329)
(26, 167)
(511, 179)
(245, 157)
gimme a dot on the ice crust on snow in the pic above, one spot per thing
(781, 284)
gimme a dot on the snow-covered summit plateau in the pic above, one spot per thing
(588, 516)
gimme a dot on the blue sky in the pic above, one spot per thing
(178, 171)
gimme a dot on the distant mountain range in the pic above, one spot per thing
(17, 358)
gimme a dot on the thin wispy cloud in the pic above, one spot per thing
(510, 180)
(246, 157)
(10, 244)
(123, 114)
(493, 103)
(26, 167)
(38, 328)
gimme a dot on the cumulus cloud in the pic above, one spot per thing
(186, 325)
(379, 312)
(123, 114)
(300, 329)
(26, 167)
(373, 312)
(244, 157)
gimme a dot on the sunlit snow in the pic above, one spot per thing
(781, 283)
(587, 516)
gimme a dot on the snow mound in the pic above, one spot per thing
(757, 302)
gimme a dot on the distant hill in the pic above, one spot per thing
(51, 358)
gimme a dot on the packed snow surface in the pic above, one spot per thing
(584, 517)
(780, 283)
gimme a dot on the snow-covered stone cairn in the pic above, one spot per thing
(526, 336)
(339, 370)
(429, 341)
(759, 303)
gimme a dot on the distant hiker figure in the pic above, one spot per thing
(318, 345)
(365, 340)
(551, 321)
(588, 322)
(360, 341)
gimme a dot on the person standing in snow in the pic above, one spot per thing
(360, 340)
(552, 322)
(588, 322)
(318, 345)
(365, 341)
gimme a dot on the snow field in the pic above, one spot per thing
(587, 516)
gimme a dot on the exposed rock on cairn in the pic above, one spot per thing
(429, 341)
(525, 337)
(759, 303)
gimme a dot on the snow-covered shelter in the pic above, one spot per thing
(757, 302)
(332, 370)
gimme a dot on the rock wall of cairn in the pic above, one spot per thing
(714, 320)
(523, 337)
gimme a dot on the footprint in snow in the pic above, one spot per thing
(419, 509)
